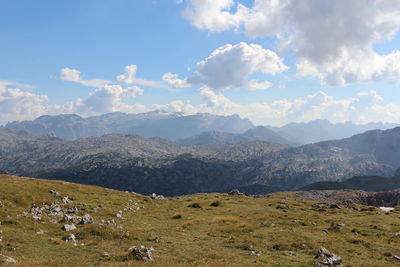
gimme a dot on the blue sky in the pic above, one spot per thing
(274, 63)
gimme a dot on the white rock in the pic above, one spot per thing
(387, 209)
(4, 258)
(69, 227)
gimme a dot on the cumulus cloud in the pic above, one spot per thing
(214, 15)
(16, 104)
(129, 77)
(173, 79)
(362, 108)
(109, 98)
(332, 40)
(230, 66)
(73, 75)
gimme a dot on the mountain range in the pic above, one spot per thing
(147, 165)
(197, 129)
(171, 126)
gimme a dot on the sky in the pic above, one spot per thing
(271, 61)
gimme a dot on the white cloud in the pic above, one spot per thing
(214, 15)
(255, 85)
(16, 104)
(173, 79)
(110, 98)
(5, 84)
(332, 40)
(73, 75)
(129, 77)
(362, 108)
(230, 66)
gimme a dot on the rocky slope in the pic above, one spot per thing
(217, 139)
(134, 163)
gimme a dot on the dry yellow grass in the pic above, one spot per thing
(287, 232)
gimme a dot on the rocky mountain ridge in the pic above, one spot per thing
(134, 163)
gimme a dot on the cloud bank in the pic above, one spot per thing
(332, 40)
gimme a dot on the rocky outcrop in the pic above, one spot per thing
(326, 258)
(7, 259)
(141, 253)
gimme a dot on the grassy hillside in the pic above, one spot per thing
(286, 232)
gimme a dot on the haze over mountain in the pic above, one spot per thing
(134, 163)
(214, 138)
(171, 126)
(197, 129)
(323, 130)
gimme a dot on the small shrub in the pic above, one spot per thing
(216, 204)
(177, 216)
(194, 205)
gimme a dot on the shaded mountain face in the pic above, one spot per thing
(322, 130)
(146, 165)
(217, 139)
(262, 133)
(171, 126)
(214, 139)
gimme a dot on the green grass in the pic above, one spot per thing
(286, 231)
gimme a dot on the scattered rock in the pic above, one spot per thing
(328, 259)
(10, 247)
(235, 192)
(87, 219)
(340, 225)
(110, 222)
(255, 254)
(54, 193)
(71, 238)
(4, 258)
(40, 232)
(72, 210)
(66, 200)
(396, 257)
(154, 239)
(155, 196)
(69, 227)
(141, 253)
(397, 234)
(1, 204)
(325, 231)
(334, 206)
(36, 212)
(71, 218)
